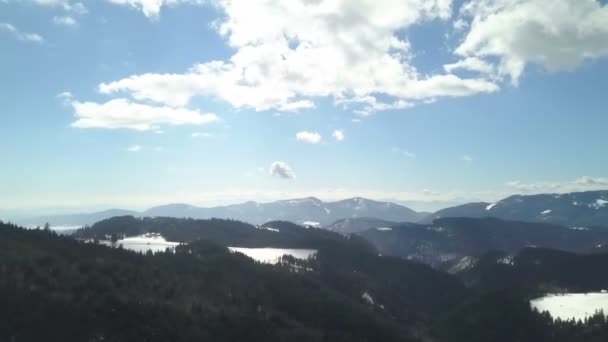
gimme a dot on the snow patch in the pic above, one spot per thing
(312, 224)
(489, 207)
(508, 260)
(599, 203)
(367, 297)
(153, 242)
(546, 212)
(465, 263)
(572, 305)
(579, 228)
(269, 228)
(273, 255)
(384, 229)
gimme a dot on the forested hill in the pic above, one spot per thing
(541, 269)
(56, 288)
(454, 238)
(75, 291)
(225, 232)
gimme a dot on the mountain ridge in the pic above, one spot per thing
(574, 209)
(305, 210)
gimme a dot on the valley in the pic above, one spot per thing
(407, 281)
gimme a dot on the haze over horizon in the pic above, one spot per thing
(130, 104)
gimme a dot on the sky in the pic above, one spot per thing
(133, 103)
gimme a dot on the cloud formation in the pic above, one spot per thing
(559, 35)
(151, 8)
(65, 21)
(289, 53)
(282, 170)
(122, 113)
(584, 183)
(20, 35)
(404, 153)
(134, 148)
(67, 5)
(338, 135)
(201, 135)
(308, 137)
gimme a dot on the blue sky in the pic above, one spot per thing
(131, 103)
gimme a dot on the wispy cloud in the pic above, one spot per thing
(122, 113)
(338, 135)
(66, 98)
(404, 153)
(20, 35)
(65, 21)
(67, 5)
(134, 148)
(308, 137)
(151, 8)
(201, 135)
(466, 158)
(584, 183)
(282, 170)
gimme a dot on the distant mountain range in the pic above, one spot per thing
(577, 209)
(306, 211)
(450, 239)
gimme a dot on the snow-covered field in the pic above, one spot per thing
(572, 305)
(272, 255)
(144, 243)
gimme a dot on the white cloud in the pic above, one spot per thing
(584, 183)
(50, 2)
(77, 8)
(66, 98)
(556, 34)
(122, 113)
(24, 36)
(308, 137)
(134, 148)
(467, 158)
(201, 135)
(460, 24)
(338, 135)
(471, 64)
(370, 105)
(151, 8)
(65, 21)
(67, 5)
(404, 153)
(282, 170)
(592, 182)
(289, 53)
